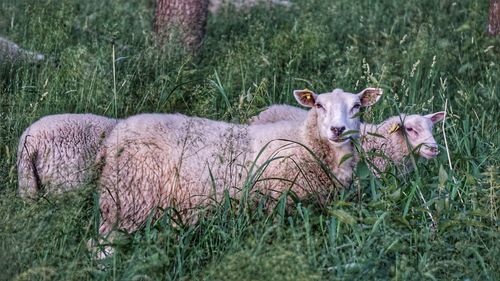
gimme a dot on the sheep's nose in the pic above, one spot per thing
(433, 148)
(337, 131)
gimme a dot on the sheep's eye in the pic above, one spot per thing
(318, 105)
(411, 130)
(357, 106)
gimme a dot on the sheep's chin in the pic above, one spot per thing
(339, 142)
(427, 154)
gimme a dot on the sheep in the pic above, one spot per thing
(388, 137)
(397, 137)
(215, 5)
(174, 161)
(10, 51)
(57, 152)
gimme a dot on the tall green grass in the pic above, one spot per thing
(439, 222)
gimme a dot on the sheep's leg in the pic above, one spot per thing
(101, 248)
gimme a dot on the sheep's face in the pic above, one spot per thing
(337, 112)
(418, 128)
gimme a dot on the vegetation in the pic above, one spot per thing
(440, 222)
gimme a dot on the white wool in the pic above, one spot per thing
(279, 112)
(57, 152)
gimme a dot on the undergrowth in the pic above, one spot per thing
(439, 222)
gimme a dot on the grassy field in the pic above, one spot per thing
(440, 222)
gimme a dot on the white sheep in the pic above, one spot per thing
(215, 5)
(57, 152)
(169, 161)
(10, 51)
(388, 138)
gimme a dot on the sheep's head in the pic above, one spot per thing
(418, 129)
(337, 112)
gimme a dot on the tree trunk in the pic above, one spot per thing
(181, 21)
(494, 25)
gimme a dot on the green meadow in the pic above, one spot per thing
(439, 222)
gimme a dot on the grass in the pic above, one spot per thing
(425, 54)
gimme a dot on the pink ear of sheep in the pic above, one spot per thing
(370, 96)
(436, 117)
(305, 97)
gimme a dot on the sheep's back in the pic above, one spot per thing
(168, 161)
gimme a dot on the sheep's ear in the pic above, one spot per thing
(396, 127)
(436, 117)
(370, 96)
(305, 97)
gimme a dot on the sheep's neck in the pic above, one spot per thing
(397, 145)
(394, 145)
(327, 153)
